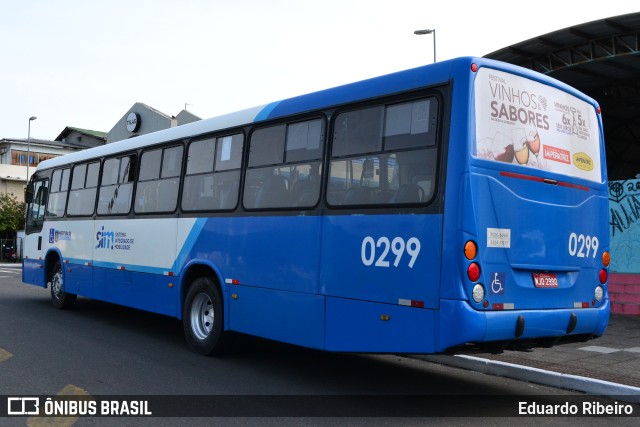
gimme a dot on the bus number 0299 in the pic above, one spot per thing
(376, 253)
(581, 246)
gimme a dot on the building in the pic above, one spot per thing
(14, 153)
(138, 120)
(141, 119)
(82, 137)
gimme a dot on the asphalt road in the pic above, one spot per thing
(101, 349)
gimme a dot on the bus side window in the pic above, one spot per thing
(116, 187)
(384, 155)
(159, 180)
(356, 181)
(58, 194)
(272, 189)
(358, 131)
(212, 180)
(306, 188)
(284, 166)
(84, 186)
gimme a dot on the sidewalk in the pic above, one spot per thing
(11, 265)
(614, 357)
(609, 365)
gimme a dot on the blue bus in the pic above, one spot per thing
(459, 206)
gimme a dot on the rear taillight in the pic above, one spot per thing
(473, 272)
(599, 293)
(470, 250)
(603, 276)
(478, 294)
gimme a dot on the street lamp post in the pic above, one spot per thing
(32, 118)
(432, 31)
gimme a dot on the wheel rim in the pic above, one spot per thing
(202, 316)
(57, 286)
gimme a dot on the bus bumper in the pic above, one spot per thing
(460, 328)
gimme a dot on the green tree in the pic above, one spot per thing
(11, 214)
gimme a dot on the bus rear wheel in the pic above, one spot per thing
(59, 298)
(202, 317)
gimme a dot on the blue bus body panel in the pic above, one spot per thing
(541, 220)
(363, 326)
(100, 283)
(390, 278)
(78, 280)
(33, 272)
(291, 317)
(144, 291)
(266, 251)
(120, 288)
(278, 278)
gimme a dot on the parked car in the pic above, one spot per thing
(8, 253)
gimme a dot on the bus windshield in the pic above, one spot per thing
(527, 123)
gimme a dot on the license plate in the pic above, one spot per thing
(545, 280)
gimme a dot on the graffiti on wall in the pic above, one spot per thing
(624, 225)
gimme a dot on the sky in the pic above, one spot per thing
(84, 63)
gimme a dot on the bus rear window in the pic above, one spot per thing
(523, 122)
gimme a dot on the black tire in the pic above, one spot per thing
(59, 298)
(203, 318)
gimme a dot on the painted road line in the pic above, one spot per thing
(609, 350)
(600, 349)
(4, 355)
(68, 390)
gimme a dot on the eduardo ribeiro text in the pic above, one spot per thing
(587, 408)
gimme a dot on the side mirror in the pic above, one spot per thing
(28, 193)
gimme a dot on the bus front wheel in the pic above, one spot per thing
(202, 318)
(59, 298)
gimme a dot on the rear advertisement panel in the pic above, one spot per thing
(527, 123)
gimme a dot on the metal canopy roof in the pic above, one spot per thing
(602, 59)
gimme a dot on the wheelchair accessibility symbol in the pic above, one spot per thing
(497, 284)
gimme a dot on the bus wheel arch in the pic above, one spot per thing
(55, 281)
(203, 311)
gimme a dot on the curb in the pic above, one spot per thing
(538, 376)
